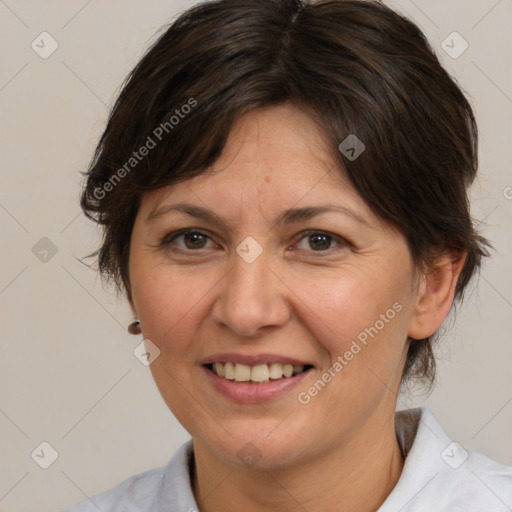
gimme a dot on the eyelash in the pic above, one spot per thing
(168, 239)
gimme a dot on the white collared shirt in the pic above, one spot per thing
(439, 475)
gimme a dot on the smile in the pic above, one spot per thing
(257, 374)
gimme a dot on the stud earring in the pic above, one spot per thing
(134, 327)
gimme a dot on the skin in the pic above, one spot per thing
(302, 298)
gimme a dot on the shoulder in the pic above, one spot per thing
(441, 474)
(161, 489)
(473, 481)
(136, 492)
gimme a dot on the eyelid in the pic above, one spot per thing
(341, 241)
(170, 237)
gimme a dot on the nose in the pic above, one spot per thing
(251, 298)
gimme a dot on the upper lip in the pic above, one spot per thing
(252, 360)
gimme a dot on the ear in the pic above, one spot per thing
(435, 294)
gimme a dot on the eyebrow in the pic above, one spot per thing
(290, 216)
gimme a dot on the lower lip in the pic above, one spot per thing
(244, 393)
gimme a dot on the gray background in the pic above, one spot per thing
(68, 374)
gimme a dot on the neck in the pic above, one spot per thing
(355, 476)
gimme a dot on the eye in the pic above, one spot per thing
(318, 241)
(190, 240)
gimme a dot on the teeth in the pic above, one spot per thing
(287, 370)
(218, 368)
(259, 373)
(242, 373)
(276, 371)
(229, 371)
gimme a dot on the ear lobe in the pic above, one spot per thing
(435, 295)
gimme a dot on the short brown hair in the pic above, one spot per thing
(356, 66)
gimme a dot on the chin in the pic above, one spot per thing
(263, 448)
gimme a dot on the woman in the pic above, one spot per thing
(283, 193)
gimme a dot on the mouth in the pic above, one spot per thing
(255, 378)
(262, 373)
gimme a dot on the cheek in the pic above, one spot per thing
(359, 321)
(169, 304)
(170, 309)
(362, 331)
(349, 304)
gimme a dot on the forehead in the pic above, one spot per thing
(274, 154)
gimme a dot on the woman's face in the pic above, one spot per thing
(284, 266)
